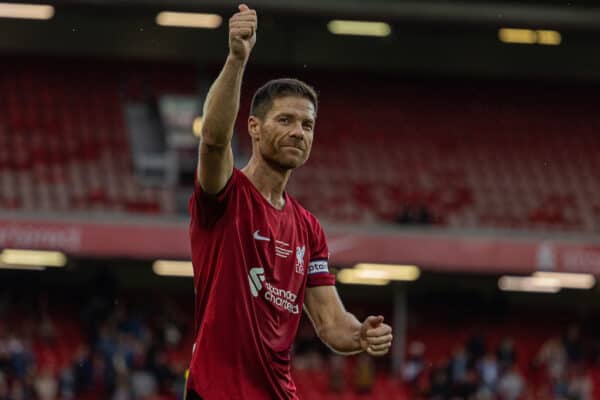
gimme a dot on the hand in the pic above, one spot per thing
(375, 336)
(242, 32)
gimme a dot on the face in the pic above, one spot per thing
(284, 136)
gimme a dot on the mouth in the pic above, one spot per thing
(292, 147)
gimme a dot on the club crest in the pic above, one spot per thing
(300, 259)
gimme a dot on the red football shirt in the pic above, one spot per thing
(252, 264)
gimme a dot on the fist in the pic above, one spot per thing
(242, 32)
(375, 336)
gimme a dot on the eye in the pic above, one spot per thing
(308, 126)
(284, 120)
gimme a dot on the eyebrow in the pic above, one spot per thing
(289, 114)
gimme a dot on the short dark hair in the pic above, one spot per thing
(262, 101)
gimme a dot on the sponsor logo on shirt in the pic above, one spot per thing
(257, 236)
(318, 267)
(300, 259)
(255, 277)
(280, 298)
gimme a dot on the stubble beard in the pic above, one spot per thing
(281, 165)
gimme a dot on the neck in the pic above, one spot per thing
(269, 180)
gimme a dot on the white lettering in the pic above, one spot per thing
(317, 267)
(282, 302)
(281, 298)
(30, 236)
(291, 296)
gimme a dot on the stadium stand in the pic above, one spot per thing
(102, 347)
(63, 141)
(471, 157)
(380, 155)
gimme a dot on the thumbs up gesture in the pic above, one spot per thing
(242, 32)
(375, 336)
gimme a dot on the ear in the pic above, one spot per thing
(254, 127)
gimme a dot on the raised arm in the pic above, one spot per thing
(215, 164)
(340, 330)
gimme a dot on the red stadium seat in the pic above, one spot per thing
(66, 132)
(486, 158)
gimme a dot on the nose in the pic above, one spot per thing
(297, 131)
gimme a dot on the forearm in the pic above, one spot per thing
(222, 104)
(343, 335)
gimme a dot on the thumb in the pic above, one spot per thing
(373, 322)
(243, 7)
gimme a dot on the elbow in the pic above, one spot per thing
(213, 141)
(216, 133)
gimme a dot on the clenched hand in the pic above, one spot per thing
(242, 32)
(375, 336)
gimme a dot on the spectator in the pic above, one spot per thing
(160, 368)
(143, 383)
(82, 369)
(579, 386)
(172, 334)
(506, 354)
(511, 385)
(476, 348)
(439, 388)
(552, 357)
(46, 386)
(21, 357)
(488, 371)
(337, 366)
(414, 214)
(106, 343)
(573, 344)
(122, 389)
(560, 388)
(364, 374)
(458, 365)
(66, 384)
(484, 393)
(101, 375)
(414, 364)
(468, 386)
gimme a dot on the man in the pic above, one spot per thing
(258, 256)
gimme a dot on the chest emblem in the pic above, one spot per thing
(300, 259)
(281, 249)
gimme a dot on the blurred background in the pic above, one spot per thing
(456, 170)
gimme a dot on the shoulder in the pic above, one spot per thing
(308, 217)
(236, 182)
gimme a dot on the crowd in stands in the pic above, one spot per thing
(563, 368)
(105, 353)
(474, 371)
(118, 350)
